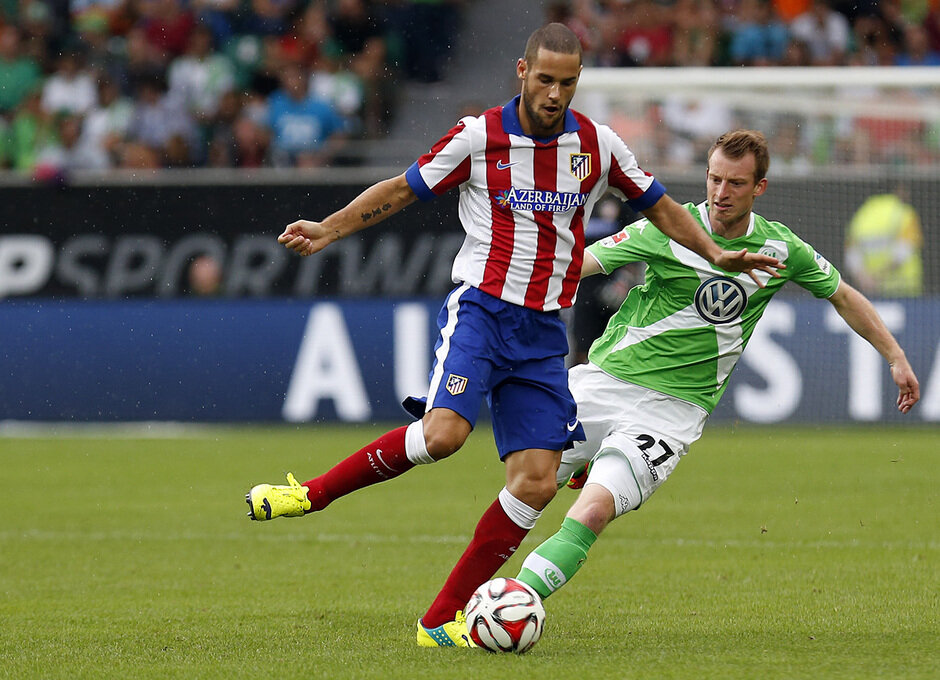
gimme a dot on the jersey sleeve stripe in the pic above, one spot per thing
(649, 198)
(417, 183)
(447, 164)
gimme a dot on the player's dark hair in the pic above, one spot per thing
(554, 38)
(738, 143)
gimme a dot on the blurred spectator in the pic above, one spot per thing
(142, 61)
(878, 32)
(19, 75)
(826, 33)
(788, 10)
(307, 132)
(162, 124)
(917, 50)
(235, 139)
(167, 25)
(31, 130)
(205, 276)
(643, 35)
(359, 39)
(108, 16)
(789, 153)
(221, 16)
(931, 24)
(5, 161)
(201, 76)
(429, 33)
(696, 123)
(696, 32)
(135, 156)
(883, 248)
(107, 123)
(310, 43)
(797, 54)
(64, 152)
(219, 132)
(268, 17)
(71, 88)
(252, 143)
(758, 37)
(585, 18)
(44, 29)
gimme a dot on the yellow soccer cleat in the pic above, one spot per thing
(267, 501)
(450, 634)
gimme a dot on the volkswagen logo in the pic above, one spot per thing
(720, 300)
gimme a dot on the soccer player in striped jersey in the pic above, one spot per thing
(662, 364)
(528, 174)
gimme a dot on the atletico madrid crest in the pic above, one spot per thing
(580, 165)
(456, 384)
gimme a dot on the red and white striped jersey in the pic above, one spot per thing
(524, 201)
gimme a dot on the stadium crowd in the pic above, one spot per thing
(100, 84)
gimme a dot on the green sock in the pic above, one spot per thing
(552, 564)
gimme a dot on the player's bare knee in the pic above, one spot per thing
(595, 508)
(444, 433)
(441, 443)
(534, 492)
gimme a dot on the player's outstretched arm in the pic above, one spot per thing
(676, 223)
(373, 205)
(862, 318)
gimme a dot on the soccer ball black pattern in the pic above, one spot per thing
(505, 615)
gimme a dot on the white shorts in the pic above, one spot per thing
(651, 431)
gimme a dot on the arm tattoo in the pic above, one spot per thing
(376, 212)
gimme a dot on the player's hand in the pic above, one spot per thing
(306, 238)
(743, 261)
(908, 387)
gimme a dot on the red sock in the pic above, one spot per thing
(382, 459)
(494, 541)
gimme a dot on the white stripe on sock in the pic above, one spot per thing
(416, 448)
(520, 513)
(540, 566)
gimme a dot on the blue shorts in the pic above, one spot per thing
(510, 355)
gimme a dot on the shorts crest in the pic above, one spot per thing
(456, 384)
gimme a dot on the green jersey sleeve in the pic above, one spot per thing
(810, 270)
(637, 242)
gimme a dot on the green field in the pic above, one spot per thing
(771, 553)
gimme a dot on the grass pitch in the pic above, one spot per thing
(772, 553)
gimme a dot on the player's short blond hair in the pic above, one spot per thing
(738, 143)
(554, 38)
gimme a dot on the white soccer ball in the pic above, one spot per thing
(505, 615)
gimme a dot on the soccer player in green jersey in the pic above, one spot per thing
(662, 364)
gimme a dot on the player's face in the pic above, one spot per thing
(731, 191)
(548, 85)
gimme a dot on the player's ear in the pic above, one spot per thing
(760, 187)
(521, 68)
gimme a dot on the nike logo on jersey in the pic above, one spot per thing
(572, 426)
(503, 166)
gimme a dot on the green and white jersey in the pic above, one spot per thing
(681, 333)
